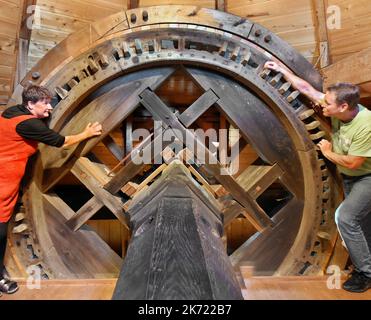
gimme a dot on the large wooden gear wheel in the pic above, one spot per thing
(106, 72)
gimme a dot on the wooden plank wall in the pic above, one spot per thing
(58, 19)
(112, 232)
(10, 16)
(354, 34)
(293, 21)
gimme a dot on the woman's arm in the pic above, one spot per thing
(91, 130)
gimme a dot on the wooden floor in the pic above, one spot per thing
(257, 288)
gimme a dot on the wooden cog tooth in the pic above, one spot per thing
(126, 50)
(236, 53)
(62, 93)
(324, 173)
(72, 83)
(223, 49)
(82, 75)
(138, 46)
(104, 60)
(293, 96)
(326, 183)
(265, 73)
(312, 125)
(321, 162)
(151, 46)
(276, 79)
(118, 52)
(317, 135)
(93, 65)
(286, 86)
(246, 58)
(306, 114)
(326, 195)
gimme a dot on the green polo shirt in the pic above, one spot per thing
(353, 138)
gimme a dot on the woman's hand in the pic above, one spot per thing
(92, 130)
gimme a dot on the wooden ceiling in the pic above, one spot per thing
(299, 22)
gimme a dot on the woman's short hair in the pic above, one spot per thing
(345, 93)
(35, 93)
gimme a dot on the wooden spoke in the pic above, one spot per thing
(114, 107)
(198, 108)
(260, 128)
(155, 105)
(256, 179)
(132, 168)
(93, 178)
(88, 210)
(110, 144)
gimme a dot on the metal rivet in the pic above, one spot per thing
(133, 18)
(268, 38)
(36, 75)
(145, 15)
(258, 33)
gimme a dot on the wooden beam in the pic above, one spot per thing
(221, 5)
(88, 210)
(355, 69)
(125, 174)
(256, 179)
(197, 108)
(128, 138)
(90, 176)
(155, 105)
(153, 175)
(113, 147)
(25, 30)
(322, 34)
(133, 4)
(115, 106)
(22, 59)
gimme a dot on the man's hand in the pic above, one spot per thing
(92, 130)
(273, 66)
(325, 146)
(303, 86)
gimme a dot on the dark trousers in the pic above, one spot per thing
(353, 218)
(3, 234)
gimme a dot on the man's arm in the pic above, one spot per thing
(347, 161)
(303, 86)
(91, 130)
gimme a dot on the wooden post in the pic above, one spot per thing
(355, 68)
(320, 10)
(133, 4)
(221, 5)
(176, 250)
(23, 42)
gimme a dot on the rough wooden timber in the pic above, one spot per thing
(176, 251)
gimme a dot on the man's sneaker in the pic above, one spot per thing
(358, 282)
